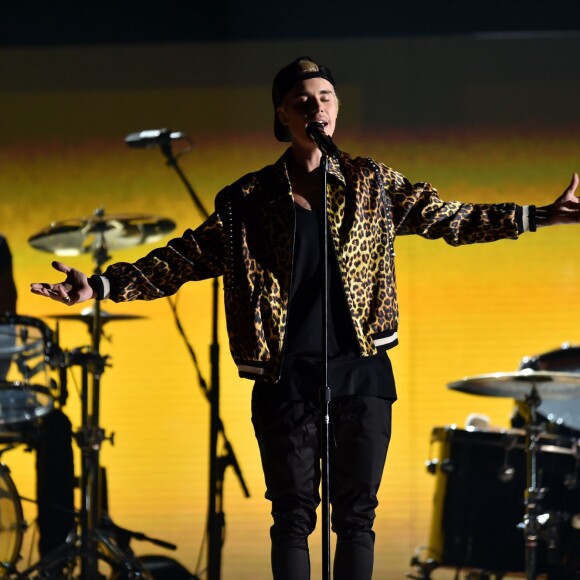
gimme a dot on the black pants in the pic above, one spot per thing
(288, 436)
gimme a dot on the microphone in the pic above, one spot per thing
(323, 141)
(153, 137)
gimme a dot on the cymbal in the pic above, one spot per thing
(84, 235)
(88, 315)
(518, 385)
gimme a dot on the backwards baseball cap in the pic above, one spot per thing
(299, 70)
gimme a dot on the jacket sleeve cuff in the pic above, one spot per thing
(526, 218)
(101, 286)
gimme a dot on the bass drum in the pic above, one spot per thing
(562, 416)
(478, 508)
(11, 523)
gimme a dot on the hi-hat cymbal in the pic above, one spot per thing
(84, 235)
(518, 385)
(88, 315)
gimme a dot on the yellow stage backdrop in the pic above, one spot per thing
(465, 311)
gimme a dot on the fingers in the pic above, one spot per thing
(573, 184)
(42, 289)
(53, 291)
(60, 295)
(61, 267)
(58, 292)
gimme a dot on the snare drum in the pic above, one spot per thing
(479, 509)
(26, 349)
(11, 523)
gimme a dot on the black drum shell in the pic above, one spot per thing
(479, 500)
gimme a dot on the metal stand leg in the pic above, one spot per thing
(89, 438)
(533, 493)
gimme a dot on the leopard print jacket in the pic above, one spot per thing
(249, 240)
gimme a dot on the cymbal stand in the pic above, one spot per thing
(98, 534)
(95, 530)
(89, 438)
(533, 494)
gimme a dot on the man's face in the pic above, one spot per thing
(309, 101)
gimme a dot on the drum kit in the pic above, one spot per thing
(507, 501)
(30, 357)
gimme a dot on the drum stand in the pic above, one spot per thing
(95, 541)
(97, 537)
(533, 494)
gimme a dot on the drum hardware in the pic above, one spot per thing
(27, 393)
(551, 385)
(478, 519)
(88, 235)
(12, 524)
(507, 471)
(163, 568)
(533, 495)
(431, 466)
(530, 387)
(60, 363)
(423, 568)
(96, 235)
(445, 466)
(88, 314)
(114, 548)
(89, 438)
(27, 349)
(125, 564)
(561, 416)
(125, 535)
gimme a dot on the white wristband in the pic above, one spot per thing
(526, 218)
(106, 286)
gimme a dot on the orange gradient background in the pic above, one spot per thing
(465, 311)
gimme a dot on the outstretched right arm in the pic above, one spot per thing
(196, 255)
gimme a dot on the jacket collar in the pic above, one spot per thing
(281, 168)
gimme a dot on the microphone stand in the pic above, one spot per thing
(325, 393)
(328, 149)
(215, 519)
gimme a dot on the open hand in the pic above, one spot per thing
(565, 210)
(73, 290)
